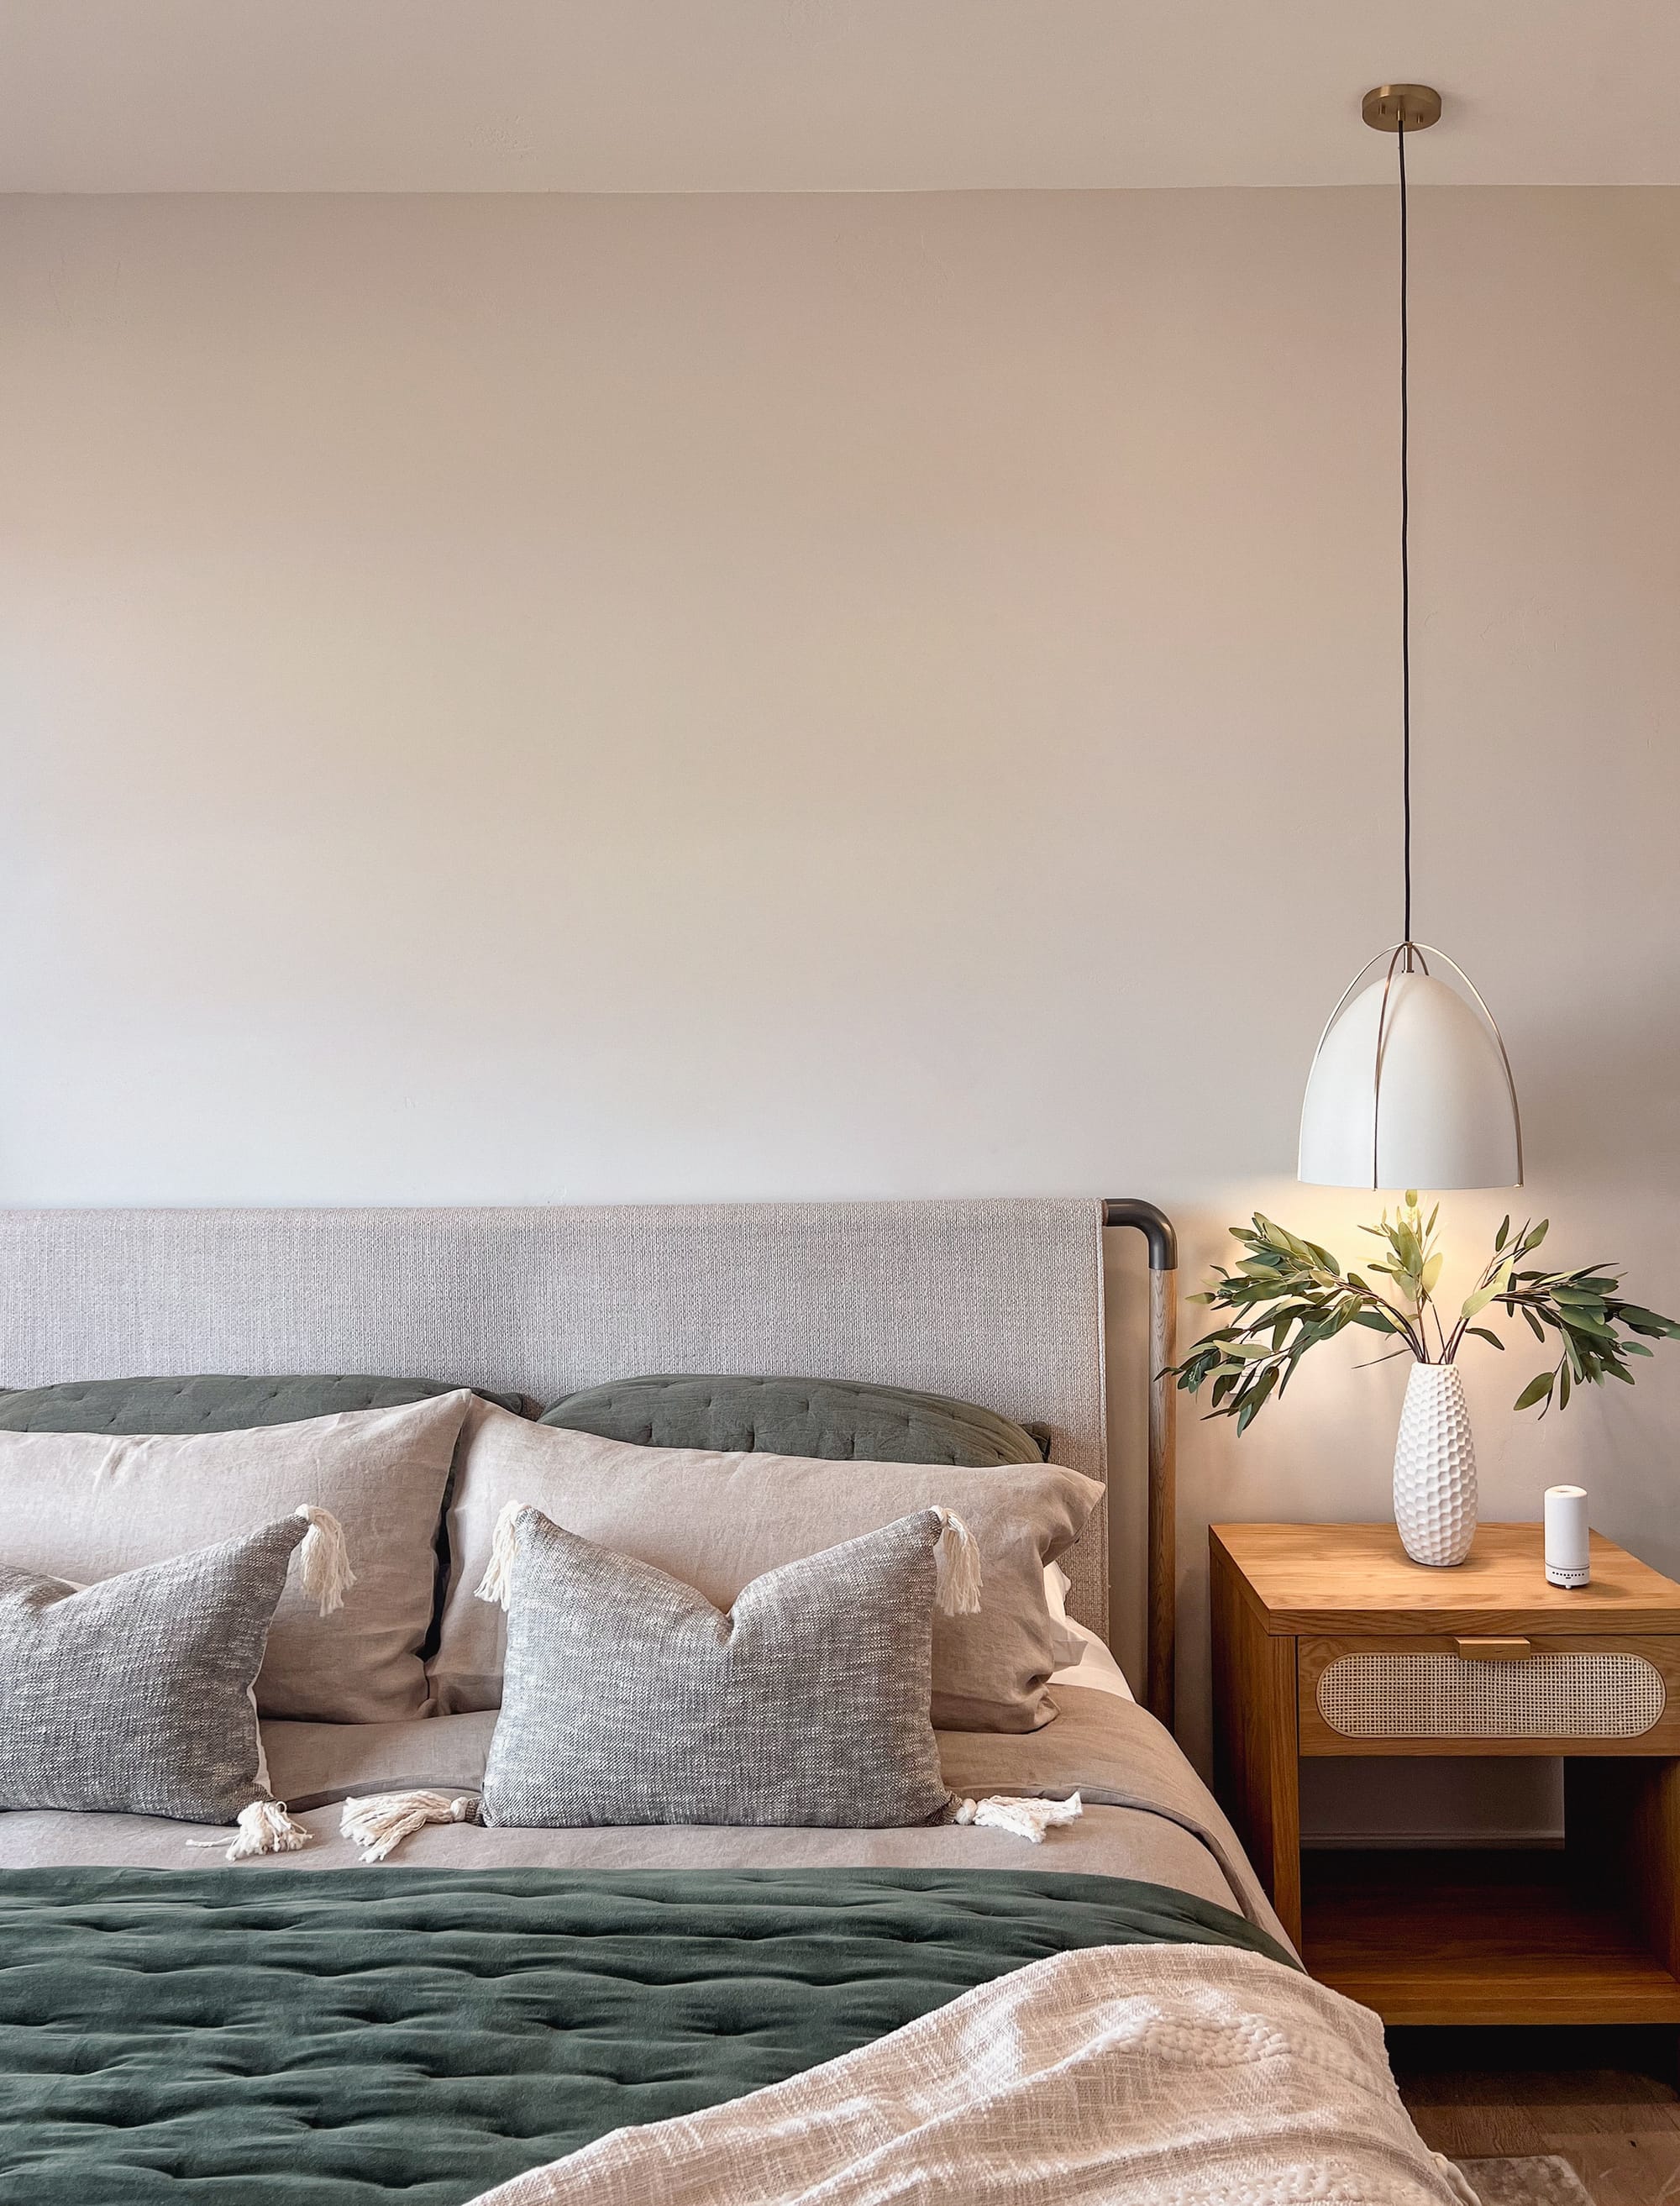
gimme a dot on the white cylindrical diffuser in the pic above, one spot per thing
(1568, 1555)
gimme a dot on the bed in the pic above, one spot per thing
(622, 2012)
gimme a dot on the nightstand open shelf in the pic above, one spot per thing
(1329, 1642)
(1485, 1935)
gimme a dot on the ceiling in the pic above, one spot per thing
(820, 95)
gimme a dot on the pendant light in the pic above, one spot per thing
(1410, 1085)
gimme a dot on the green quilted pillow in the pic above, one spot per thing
(837, 1420)
(217, 1404)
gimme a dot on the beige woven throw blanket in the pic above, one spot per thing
(1131, 2076)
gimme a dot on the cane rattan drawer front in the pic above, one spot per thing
(1505, 1695)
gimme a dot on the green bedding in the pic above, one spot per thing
(331, 2038)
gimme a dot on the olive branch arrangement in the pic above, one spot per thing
(1287, 1294)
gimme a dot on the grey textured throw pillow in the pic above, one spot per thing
(629, 1698)
(134, 1695)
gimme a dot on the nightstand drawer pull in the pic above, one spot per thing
(1492, 1650)
(1425, 1696)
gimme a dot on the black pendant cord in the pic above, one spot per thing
(1405, 562)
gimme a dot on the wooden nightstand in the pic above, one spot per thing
(1327, 1640)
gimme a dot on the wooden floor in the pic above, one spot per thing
(1604, 2100)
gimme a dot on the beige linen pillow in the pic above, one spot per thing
(717, 1521)
(86, 1506)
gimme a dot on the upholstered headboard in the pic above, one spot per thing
(996, 1302)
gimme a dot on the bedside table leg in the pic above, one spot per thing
(1255, 1767)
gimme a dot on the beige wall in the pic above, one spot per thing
(522, 698)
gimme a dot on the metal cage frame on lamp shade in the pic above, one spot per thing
(1410, 1085)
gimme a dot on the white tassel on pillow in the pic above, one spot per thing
(379, 1824)
(957, 1567)
(496, 1584)
(264, 1828)
(1026, 1819)
(323, 1560)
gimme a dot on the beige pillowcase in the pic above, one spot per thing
(718, 1521)
(86, 1506)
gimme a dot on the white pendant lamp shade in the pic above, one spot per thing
(1410, 1087)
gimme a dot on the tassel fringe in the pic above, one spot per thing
(324, 1561)
(957, 1567)
(496, 1584)
(264, 1828)
(380, 1824)
(1026, 1819)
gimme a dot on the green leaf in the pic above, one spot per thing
(1478, 1302)
(1411, 1198)
(1492, 1339)
(1502, 1235)
(1537, 1390)
(1631, 1314)
(1578, 1321)
(1256, 1399)
(1563, 1391)
(1380, 1321)
(1431, 1272)
(1536, 1234)
(1533, 1323)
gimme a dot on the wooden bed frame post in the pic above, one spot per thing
(1160, 1692)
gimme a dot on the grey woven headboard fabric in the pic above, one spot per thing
(999, 1302)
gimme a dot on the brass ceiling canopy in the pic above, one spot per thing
(1386, 107)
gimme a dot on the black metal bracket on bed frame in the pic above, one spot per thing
(1156, 1228)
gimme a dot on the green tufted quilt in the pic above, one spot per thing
(281, 2037)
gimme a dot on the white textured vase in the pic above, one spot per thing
(1435, 1468)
